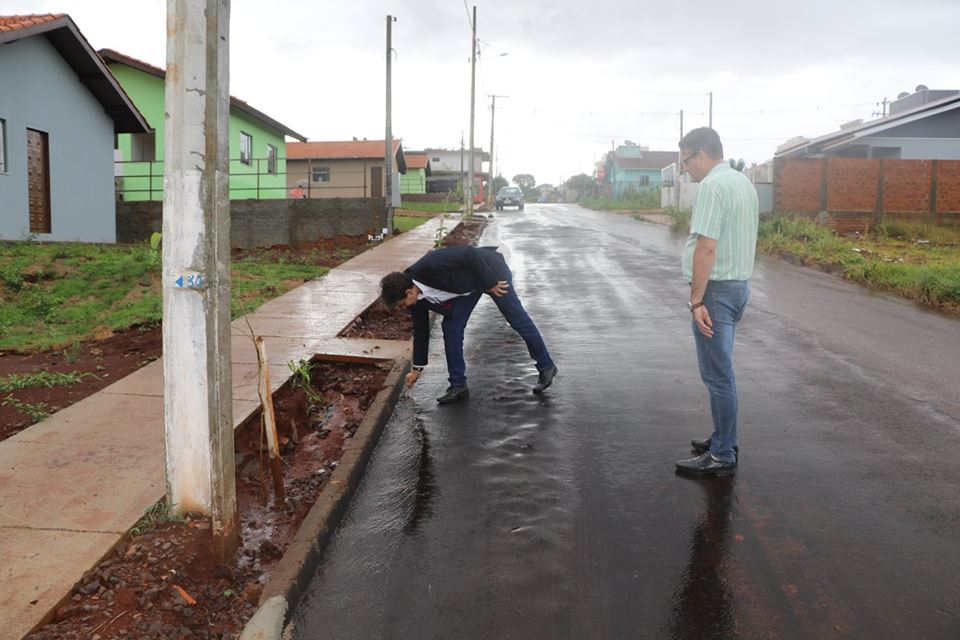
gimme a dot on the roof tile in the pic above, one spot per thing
(338, 149)
(13, 23)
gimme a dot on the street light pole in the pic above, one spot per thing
(388, 154)
(473, 87)
(493, 112)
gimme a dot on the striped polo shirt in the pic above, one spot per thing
(727, 211)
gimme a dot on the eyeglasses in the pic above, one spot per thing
(690, 157)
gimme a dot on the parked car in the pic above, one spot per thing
(509, 197)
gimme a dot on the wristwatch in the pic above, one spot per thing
(694, 305)
(417, 367)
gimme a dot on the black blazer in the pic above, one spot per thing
(460, 269)
(457, 270)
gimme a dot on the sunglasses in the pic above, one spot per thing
(690, 157)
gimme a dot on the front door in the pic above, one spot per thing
(38, 181)
(376, 182)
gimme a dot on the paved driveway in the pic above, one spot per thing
(512, 516)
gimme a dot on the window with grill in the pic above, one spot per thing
(271, 159)
(321, 174)
(246, 148)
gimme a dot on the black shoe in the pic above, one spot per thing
(702, 445)
(454, 394)
(706, 464)
(545, 379)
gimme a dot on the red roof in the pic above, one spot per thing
(649, 160)
(350, 149)
(12, 23)
(416, 160)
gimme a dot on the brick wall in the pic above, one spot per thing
(855, 193)
(852, 184)
(263, 223)
(947, 185)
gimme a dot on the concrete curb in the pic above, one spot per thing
(289, 579)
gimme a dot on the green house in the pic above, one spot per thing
(414, 181)
(257, 141)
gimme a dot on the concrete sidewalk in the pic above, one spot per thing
(73, 485)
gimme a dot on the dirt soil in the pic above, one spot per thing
(166, 584)
(107, 359)
(380, 322)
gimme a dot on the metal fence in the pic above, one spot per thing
(260, 179)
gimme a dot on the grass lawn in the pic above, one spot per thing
(432, 207)
(405, 223)
(55, 295)
(917, 261)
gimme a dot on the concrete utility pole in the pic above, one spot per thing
(493, 112)
(197, 398)
(388, 158)
(473, 100)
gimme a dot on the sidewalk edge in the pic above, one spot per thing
(303, 555)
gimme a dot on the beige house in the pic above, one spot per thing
(351, 169)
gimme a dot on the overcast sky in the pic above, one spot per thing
(579, 76)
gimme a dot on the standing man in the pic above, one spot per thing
(717, 262)
(450, 281)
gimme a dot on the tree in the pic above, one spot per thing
(498, 183)
(739, 165)
(581, 183)
(526, 182)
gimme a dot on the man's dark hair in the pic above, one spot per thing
(705, 139)
(393, 287)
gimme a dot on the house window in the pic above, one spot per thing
(246, 148)
(271, 159)
(644, 181)
(3, 145)
(321, 174)
(435, 159)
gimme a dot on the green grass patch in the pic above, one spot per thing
(406, 223)
(432, 207)
(632, 200)
(36, 411)
(15, 381)
(919, 262)
(59, 295)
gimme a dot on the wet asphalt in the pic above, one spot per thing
(515, 516)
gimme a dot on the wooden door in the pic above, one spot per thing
(376, 182)
(38, 181)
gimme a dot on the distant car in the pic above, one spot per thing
(509, 197)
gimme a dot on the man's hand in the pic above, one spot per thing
(411, 378)
(500, 289)
(702, 317)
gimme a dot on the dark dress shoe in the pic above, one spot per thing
(706, 464)
(454, 394)
(545, 379)
(701, 445)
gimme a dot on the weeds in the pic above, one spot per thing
(36, 411)
(158, 513)
(48, 379)
(302, 379)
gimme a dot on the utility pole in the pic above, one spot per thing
(197, 398)
(883, 113)
(493, 112)
(473, 85)
(388, 154)
(711, 110)
(677, 186)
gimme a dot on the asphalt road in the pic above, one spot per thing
(511, 516)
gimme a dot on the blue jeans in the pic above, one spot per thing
(725, 302)
(455, 322)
